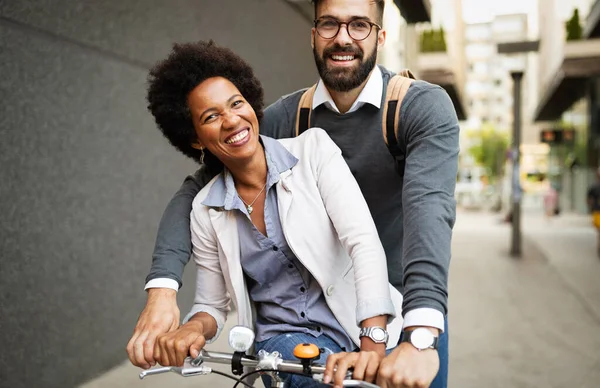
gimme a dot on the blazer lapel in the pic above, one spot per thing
(284, 196)
(226, 230)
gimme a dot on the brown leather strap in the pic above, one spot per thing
(406, 73)
(396, 90)
(391, 91)
(304, 110)
(401, 90)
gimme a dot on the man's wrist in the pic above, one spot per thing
(157, 293)
(421, 338)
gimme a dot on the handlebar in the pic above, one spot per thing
(265, 361)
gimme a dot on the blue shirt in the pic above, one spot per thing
(287, 297)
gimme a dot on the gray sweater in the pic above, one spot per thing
(414, 215)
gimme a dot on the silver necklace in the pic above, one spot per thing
(249, 206)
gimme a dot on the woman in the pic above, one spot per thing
(282, 230)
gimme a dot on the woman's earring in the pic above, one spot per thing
(201, 155)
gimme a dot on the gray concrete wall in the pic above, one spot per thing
(85, 174)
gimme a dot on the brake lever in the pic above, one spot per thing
(187, 370)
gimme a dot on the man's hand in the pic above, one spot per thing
(407, 367)
(161, 315)
(365, 364)
(172, 348)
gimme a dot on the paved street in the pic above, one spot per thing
(530, 322)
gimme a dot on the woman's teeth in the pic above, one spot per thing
(239, 137)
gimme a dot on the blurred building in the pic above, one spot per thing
(569, 95)
(403, 44)
(441, 63)
(489, 89)
(489, 85)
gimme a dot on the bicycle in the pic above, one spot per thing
(241, 339)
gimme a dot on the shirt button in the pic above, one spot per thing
(329, 290)
(302, 314)
(290, 266)
(302, 289)
(275, 248)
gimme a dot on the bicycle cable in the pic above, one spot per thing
(238, 381)
(242, 377)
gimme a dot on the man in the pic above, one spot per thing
(593, 201)
(414, 214)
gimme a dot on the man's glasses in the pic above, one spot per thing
(358, 29)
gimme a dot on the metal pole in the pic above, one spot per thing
(515, 249)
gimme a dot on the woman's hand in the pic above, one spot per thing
(172, 348)
(365, 364)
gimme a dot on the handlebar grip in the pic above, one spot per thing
(358, 383)
(155, 371)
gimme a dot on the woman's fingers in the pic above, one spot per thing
(330, 366)
(173, 348)
(360, 366)
(334, 366)
(343, 364)
(365, 365)
(161, 351)
(196, 345)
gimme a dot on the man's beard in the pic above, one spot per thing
(344, 79)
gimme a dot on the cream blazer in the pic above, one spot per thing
(327, 225)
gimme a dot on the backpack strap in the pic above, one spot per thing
(394, 139)
(407, 74)
(304, 109)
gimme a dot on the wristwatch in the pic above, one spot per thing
(377, 334)
(421, 338)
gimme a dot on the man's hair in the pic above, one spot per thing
(188, 65)
(380, 9)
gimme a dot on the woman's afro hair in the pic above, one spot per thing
(188, 65)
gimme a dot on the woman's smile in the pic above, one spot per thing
(239, 138)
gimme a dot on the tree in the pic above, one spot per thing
(573, 26)
(433, 40)
(490, 150)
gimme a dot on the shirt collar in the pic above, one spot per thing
(223, 193)
(371, 93)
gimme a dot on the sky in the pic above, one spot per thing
(477, 11)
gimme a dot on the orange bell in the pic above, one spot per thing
(307, 351)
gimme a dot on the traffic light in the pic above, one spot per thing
(557, 136)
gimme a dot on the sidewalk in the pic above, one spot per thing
(519, 323)
(530, 322)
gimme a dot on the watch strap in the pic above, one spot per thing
(406, 335)
(367, 332)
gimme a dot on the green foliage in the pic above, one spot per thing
(573, 26)
(433, 40)
(490, 150)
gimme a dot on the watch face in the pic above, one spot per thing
(421, 338)
(378, 334)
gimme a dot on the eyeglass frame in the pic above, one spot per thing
(371, 24)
